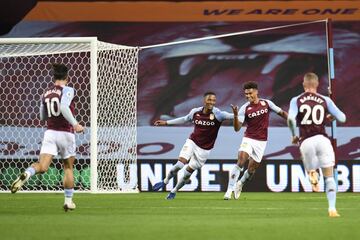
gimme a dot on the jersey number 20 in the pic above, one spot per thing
(51, 103)
(312, 115)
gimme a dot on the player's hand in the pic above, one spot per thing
(160, 123)
(78, 128)
(330, 117)
(329, 91)
(295, 140)
(235, 109)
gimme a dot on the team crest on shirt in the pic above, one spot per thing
(262, 103)
(212, 116)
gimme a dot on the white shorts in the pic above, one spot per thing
(317, 152)
(254, 148)
(58, 142)
(196, 155)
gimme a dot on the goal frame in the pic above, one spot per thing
(92, 41)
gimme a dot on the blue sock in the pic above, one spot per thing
(69, 192)
(330, 187)
(30, 171)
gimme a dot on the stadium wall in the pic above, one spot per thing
(158, 149)
(172, 80)
(272, 176)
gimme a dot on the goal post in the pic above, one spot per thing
(104, 77)
(93, 116)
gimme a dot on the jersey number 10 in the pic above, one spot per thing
(53, 106)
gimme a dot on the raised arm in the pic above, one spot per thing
(238, 119)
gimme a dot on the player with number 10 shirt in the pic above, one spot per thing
(57, 108)
(51, 101)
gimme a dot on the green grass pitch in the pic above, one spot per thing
(190, 216)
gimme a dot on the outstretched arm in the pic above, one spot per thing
(278, 110)
(236, 123)
(176, 121)
(290, 119)
(283, 114)
(160, 123)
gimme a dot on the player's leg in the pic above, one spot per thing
(249, 173)
(310, 161)
(258, 149)
(244, 153)
(184, 156)
(48, 150)
(197, 160)
(247, 176)
(39, 167)
(235, 173)
(69, 183)
(67, 151)
(314, 180)
(173, 171)
(326, 157)
(185, 179)
(330, 189)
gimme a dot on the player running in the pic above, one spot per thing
(255, 113)
(57, 107)
(309, 110)
(196, 150)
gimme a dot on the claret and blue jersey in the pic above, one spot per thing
(309, 111)
(256, 116)
(53, 98)
(206, 125)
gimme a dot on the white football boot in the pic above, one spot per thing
(333, 213)
(238, 189)
(69, 206)
(19, 182)
(228, 195)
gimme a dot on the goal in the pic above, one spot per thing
(104, 77)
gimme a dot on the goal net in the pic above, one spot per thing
(104, 77)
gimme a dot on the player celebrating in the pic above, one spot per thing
(309, 110)
(57, 107)
(207, 120)
(256, 115)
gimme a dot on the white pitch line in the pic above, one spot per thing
(200, 208)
